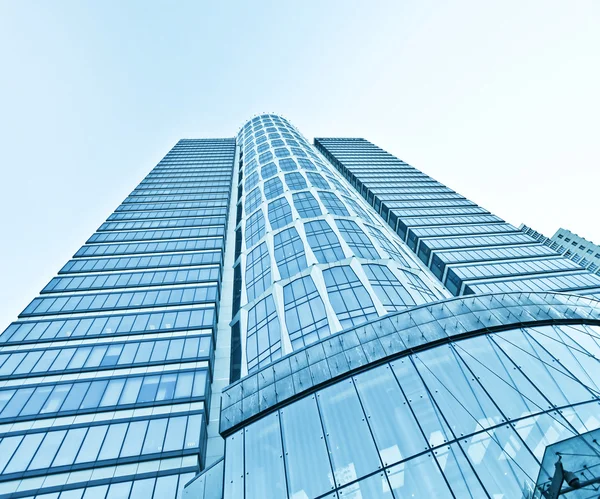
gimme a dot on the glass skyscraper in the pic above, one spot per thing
(266, 318)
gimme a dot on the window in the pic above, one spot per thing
(387, 245)
(287, 165)
(560, 236)
(357, 239)
(289, 252)
(265, 157)
(251, 181)
(252, 165)
(307, 164)
(280, 213)
(253, 201)
(255, 228)
(358, 209)
(305, 315)
(390, 292)
(306, 204)
(264, 335)
(348, 297)
(273, 188)
(333, 203)
(317, 180)
(323, 241)
(282, 152)
(418, 285)
(258, 271)
(295, 181)
(268, 171)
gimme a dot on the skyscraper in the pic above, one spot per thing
(265, 318)
(569, 244)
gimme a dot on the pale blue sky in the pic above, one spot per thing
(497, 99)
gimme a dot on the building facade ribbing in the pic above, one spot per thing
(469, 249)
(357, 330)
(105, 377)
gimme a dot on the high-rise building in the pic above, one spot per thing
(266, 318)
(569, 244)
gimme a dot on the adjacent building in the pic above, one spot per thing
(267, 318)
(569, 244)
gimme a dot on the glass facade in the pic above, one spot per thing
(309, 248)
(467, 248)
(267, 318)
(105, 377)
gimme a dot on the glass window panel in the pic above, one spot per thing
(98, 492)
(581, 365)
(166, 389)
(119, 490)
(8, 445)
(199, 383)
(112, 393)
(5, 396)
(72, 494)
(159, 353)
(542, 430)
(142, 488)
(91, 445)
(144, 351)
(96, 356)
(63, 359)
(512, 391)
(56, 398)
(504, 468)
(458, 472)
(19, 399)
(307, 461)
(47, 450)
(184, 385)
(149, 388)
(426, 412)
(541, 369)
(37, 400)
(70, 446)
(175, 350)
(131, 390)
(192, 434)
(396, 432)
(134, 439)
(155, 436)
(355, 457)
(22, 456)
(419, 477)
(264, 459)
(94, 394)
(128, 353)
(234, 465)
(112, 442)
(374, 487)
(465, 405)
(175, 433)
(166, 487)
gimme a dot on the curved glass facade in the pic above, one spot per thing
(321, 260)
(470, 418)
